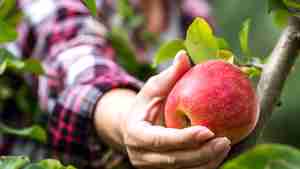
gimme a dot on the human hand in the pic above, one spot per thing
(152, 146)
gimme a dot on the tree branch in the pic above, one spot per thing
(274, 75)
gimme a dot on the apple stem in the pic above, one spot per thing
(187, 122)
(275, 72)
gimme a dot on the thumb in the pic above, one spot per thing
(161, 84)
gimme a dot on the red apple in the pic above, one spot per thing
(217, 95)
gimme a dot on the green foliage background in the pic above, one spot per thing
(230, 14)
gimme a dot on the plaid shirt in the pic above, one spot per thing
(80, 67)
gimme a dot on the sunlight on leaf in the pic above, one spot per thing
(3, 66)
(30, 65)
(244, 38)
(13, 162)
(23, 162)
(226, 55)
(168, 51)
(200, 42)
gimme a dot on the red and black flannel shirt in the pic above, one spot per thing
(80, 67)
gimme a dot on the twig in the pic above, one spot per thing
(272, 80)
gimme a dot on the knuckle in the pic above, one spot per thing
(126, 139)
(184, 140)
(129, 137)
(153, 84)
(153, 79)
(126, 135)
(172, 161)
(136, 159)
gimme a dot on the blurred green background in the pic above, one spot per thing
(284, 126)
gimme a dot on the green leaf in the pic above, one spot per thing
(10, 13)
(6, 7)
(266, 156)
(200, 42)
(6, 90)
(168, 51)
(13, 162)
(91, 5)
(128, 15)
(252, 71)
(124, 9)
(3, 66)
(280, 17)
(126, 54)
(51, 164)
(35, 132)
(34, 66)
(33, 166)
(223, 44)
(22, 162)
(292, 4)
(4, 53)
(7, 32)
(244, 38)
(15, 64)
(22, 101)
(10, 61)
(226, 55)
(274, 5)
(12, 64)
(15, 18)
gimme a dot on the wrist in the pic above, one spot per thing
(110, 114)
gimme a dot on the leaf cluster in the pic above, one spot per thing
(202, 45)
(22, 162)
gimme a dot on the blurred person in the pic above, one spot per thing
(93, 104)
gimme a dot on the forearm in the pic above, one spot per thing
(110, 111)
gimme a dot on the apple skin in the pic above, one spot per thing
(217, 95)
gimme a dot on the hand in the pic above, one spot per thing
(152, 146)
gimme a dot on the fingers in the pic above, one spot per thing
(214, 164)
(151, 146)
(157, 138)
(158, 87)
(208, 156)
(161, 84)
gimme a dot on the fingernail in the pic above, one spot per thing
(221, 145)
(177, 57)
